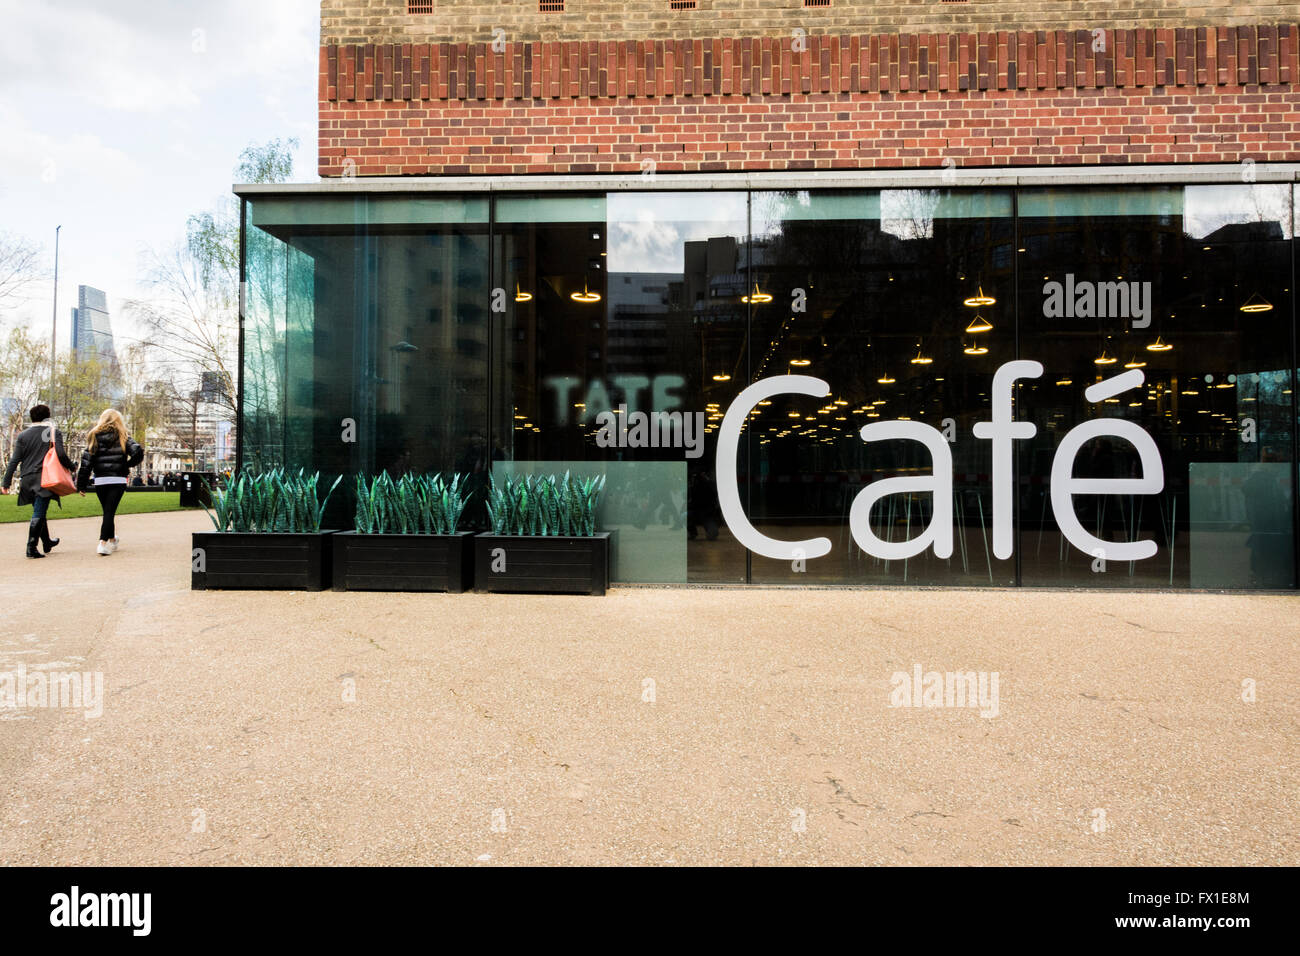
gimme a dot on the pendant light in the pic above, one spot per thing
(1134, 363)
(1159, 345)
(975, 349)
(979, 324)
(921, 358)
(979, 299)
(756, 297)
(521, 296)
(1104, 358)
(586, 295)
(1256, 303)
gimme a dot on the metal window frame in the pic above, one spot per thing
(1175, 174)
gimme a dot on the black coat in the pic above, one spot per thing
(29, 454)
(108, 460)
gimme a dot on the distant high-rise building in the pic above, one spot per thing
(92, 334)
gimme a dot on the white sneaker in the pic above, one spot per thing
(103, 548)
(112, 544)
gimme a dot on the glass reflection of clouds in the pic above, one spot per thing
(1207, 209)
(648, 231)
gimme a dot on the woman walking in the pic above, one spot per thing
(30, 449)
(109, 457)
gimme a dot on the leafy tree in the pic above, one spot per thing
(24, 380)
(80, 394)
(269, 163)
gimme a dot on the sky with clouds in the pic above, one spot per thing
(119, 119)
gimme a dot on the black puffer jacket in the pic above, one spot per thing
(108, 460)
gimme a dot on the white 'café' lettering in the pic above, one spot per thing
(1002, 431)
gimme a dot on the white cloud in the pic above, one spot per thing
(33, 160)
(150, 57)
(92, 54)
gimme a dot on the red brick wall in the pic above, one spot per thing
(1027, 98)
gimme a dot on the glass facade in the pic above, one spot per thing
(366, 335)
(1152, 399)
(1217, 390)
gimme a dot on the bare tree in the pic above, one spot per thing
(192, 316)
(145, 400)
(182, 411)
(20, 265)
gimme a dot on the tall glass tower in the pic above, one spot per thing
(92, 334)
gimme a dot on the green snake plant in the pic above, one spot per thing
(274, 501)
(544, 505)
(413, 504)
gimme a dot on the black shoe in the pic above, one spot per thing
(50, 545)
(31, 548)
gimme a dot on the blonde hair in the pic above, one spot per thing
(110, 419)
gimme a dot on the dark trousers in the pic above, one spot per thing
(38, 528)
(110, 496)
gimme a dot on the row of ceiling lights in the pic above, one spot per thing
(869, 410)
(585, 296)
(714, 413)
(1256, 303)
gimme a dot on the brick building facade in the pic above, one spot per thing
(739, 85)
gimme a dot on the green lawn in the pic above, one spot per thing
(74, 506)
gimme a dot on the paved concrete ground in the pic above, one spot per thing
(226, 737)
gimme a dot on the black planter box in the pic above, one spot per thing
(276, 562)
(403, 562)
(541, 564)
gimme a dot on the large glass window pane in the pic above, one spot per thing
(366, 335)
(901, 302)
(262, 411)
(1188, 289)
(625, 328)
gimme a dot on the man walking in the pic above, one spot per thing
(30, 448)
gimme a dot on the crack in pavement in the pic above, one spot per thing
(1140, 627)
